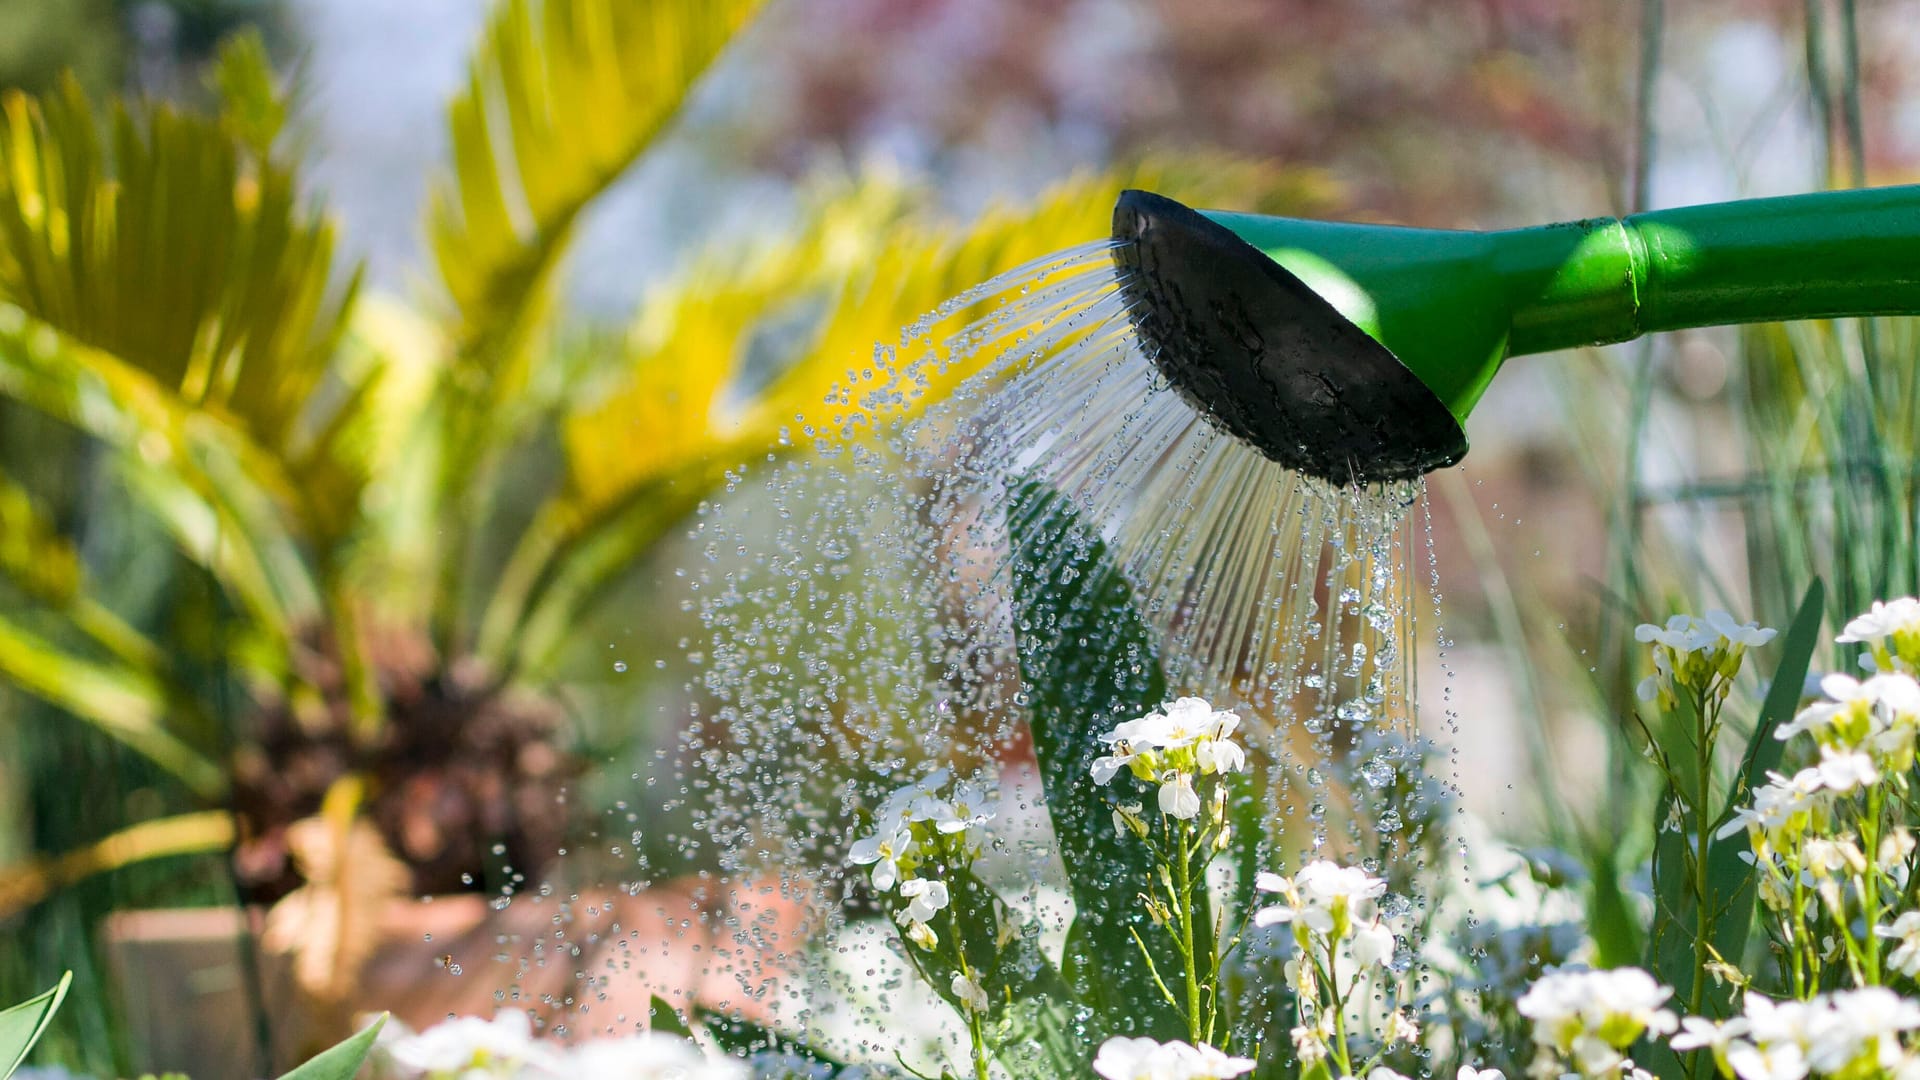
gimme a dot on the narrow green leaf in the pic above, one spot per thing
(343, 1060)
(22, 1025)
(1616, 931)
(1087, 662)
(666, 1019)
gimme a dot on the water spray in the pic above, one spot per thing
(1354, 353)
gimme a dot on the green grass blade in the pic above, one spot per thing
(1087, 662)
(22, 1025)
(341, 1061)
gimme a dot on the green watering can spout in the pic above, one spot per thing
(1355, 352)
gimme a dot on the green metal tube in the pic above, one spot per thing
(1453, 305)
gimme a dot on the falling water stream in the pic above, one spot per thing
(859, 615)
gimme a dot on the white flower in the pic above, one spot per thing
(1309, 1044)
(1905, 930)
(1595, 1056)
(1381, 1072)
(922, 935)
(1372, 944)
(1325, 896)
(1860, 1025)
(902, 803)
(1578, 1013)
(971, 805)
(1780, 1061)
(1220, 755)
(1468, 1072)
(882, 851)
(1748, 635)
(1121, 1058)
(652, 1056)
(1402, 1028)
(1778, 805)
(925, 896)
(1699, 1033)
(1104, 769)
(1178, 723)
(470, 1047)
(1882, 621)
(1842, 772)
(972, 997)
(1178, 799)
(1682, 634)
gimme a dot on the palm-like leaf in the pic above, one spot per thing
(562, 96)
(166, 243)
(647, 452)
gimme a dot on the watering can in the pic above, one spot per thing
(1355, 352)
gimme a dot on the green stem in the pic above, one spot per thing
(1702, 903)
(1870, 891)
(976, 1034)
(1344, 1055)
(1183, 868)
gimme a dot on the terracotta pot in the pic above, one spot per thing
(583, 965)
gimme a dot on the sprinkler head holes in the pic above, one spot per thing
(1266, 359)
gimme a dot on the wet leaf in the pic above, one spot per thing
(1087, 660)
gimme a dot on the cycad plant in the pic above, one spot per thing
(264, 546)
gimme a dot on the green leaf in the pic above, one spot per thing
(1730, 881)
(343, 1060)
(738, 1036)
(121, 701)
(22, 1025)
(1039, 1040)
(1087, 662)
(664, 1018)
(1616, 931)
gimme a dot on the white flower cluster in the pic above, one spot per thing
(920, 822)
(1850, 1033)
(1121, 1058)
(1804, 829)
(504, 1048)
(1333, 912)
(1332, 902)
(1170, 747)
(1877, 716)
(1586, 1020)
(1692, 653)
(1890, 630)
(1785, 808)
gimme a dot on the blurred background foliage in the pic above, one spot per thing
(329, 493)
